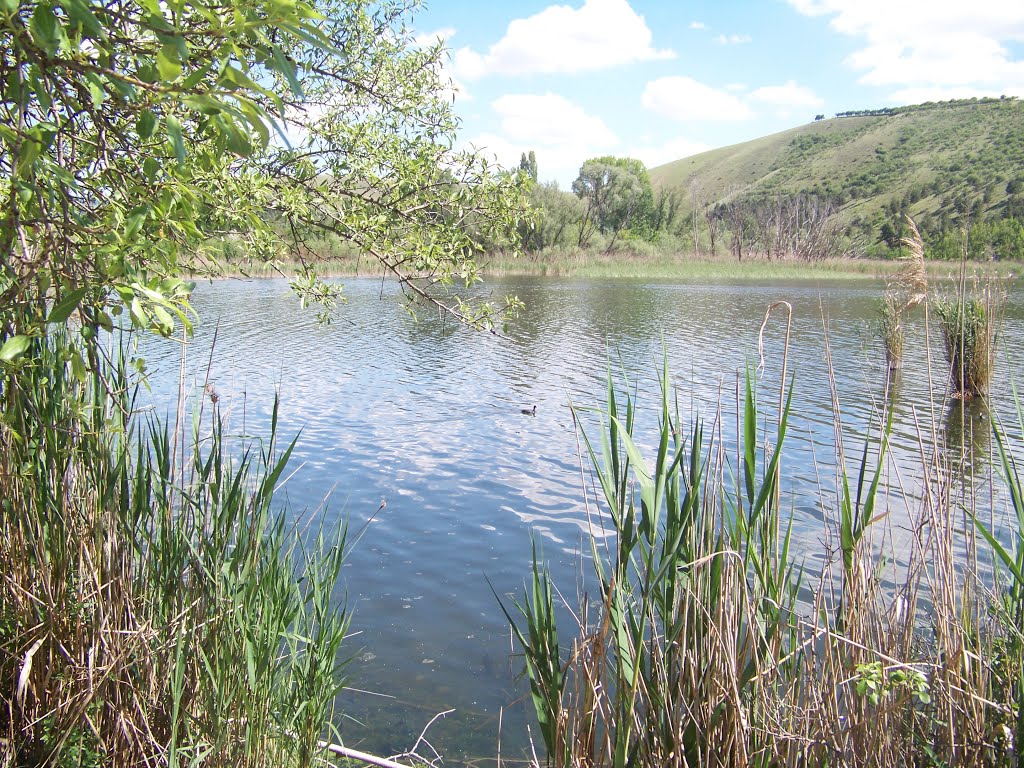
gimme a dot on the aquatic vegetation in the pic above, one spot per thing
(155, 608)
(891, 331)
(906, 289)
(969, 323)
(710, 642)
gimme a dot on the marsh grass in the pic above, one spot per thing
(969, 320)
(662, 264)
(710, 643)
(891, 330)
(156, 608)
(905, 290)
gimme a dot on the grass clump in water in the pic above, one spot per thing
(156, 609)
(969, 332)
(891, 331)
(906, 289)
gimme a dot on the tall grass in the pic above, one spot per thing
(969, 323)
(891, 330)
(156, 609)
(709, 643)
(905, 290)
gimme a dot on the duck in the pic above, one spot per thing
(529, 411)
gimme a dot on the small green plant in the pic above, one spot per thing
(877, 683)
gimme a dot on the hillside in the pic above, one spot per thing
(942, 163)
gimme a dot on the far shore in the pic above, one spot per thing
(631, 266)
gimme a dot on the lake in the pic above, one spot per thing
(417, 427)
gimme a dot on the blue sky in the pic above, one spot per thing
(662, 79)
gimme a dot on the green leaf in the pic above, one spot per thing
(135, 221)
(163, 320)
(63, 310)
(47, 32)
(28, 153)
(205, 104)
(13, 347)
(174, 134)
(78, 369)
(146, 124)
(82, 17)
(167, 62)
(287, 68)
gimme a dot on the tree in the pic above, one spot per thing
(528, 165)
(618, 194)
(557, 216)
(712, 220)
(696, 204)
(737, 214)
(133, 136)
(665, 211)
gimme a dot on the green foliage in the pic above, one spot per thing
(131, 137)
(528, 165)
(876, 683)
(557, 218)
(619, 197)
(890, 330)
(705, 645)
(1012, 560)
(676, 581)
(986, 240)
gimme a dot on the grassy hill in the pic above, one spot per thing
(946, 164)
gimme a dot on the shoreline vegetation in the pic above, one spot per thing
(158, 608)
(625, 265)
(713, 640)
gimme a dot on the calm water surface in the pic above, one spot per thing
(427, 417)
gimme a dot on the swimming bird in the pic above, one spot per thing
(529, 411)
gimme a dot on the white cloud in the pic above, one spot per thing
(561, 133)
(550, 119)
(930, 45)
(602, 34)
(682, 98)
(734, 87)
(653, 155)
(788, 95)
(733, 39)
(697, 25)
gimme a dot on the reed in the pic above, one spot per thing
(904, 291)
(709, 643)
(156, 609)
(969, 321)
(891, 331)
